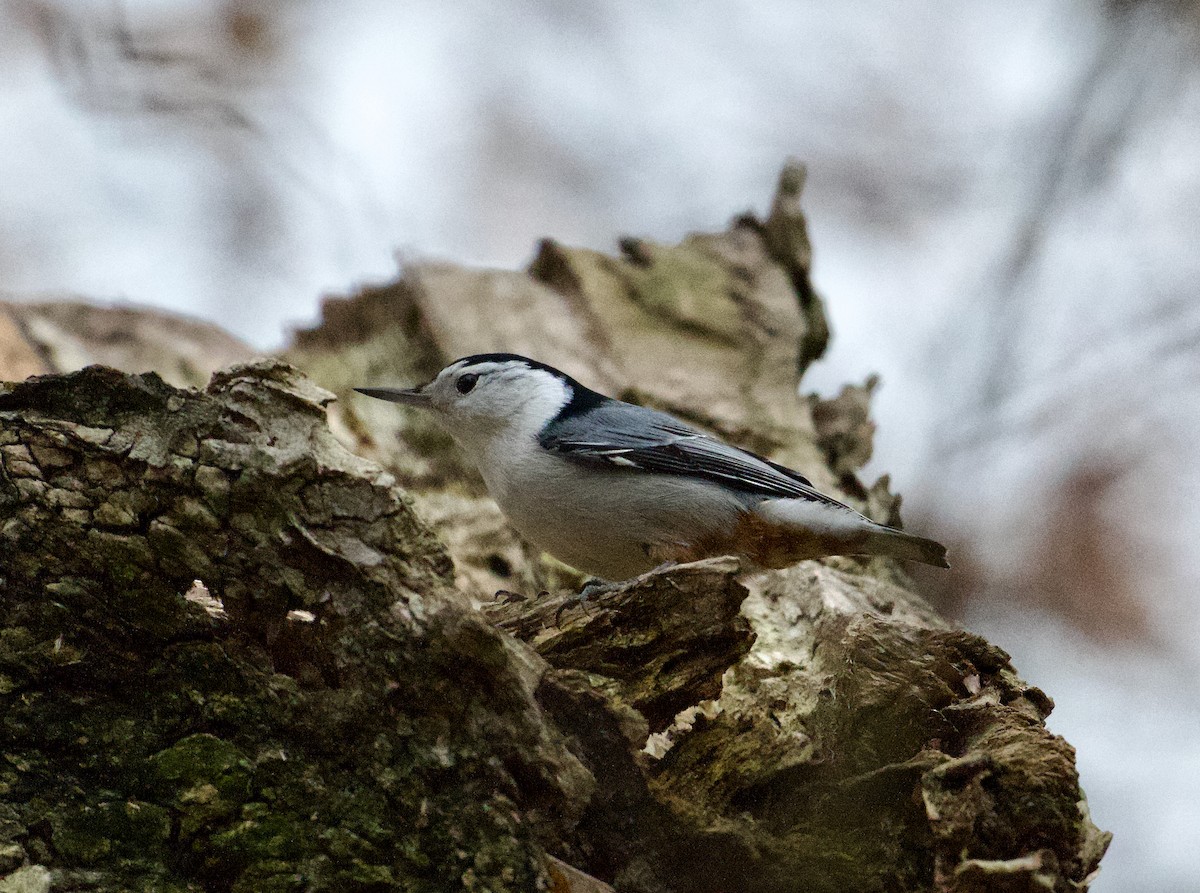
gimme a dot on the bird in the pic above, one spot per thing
(616, 490)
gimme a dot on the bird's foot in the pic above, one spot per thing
(594, 587)
(508, 597)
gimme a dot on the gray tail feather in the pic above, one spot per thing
(899, 544)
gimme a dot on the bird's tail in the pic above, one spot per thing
(898, 544)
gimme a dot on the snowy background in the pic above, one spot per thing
(1004, 200)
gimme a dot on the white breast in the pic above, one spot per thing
(599, 521)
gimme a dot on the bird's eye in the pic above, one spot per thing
(466, 383)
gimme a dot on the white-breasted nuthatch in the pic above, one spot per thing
(615, 489)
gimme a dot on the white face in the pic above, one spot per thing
(479, 401)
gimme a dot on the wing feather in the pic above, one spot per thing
(620, 435)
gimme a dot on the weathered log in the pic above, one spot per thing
(822, 766)
(860, 744)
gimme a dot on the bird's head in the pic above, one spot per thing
(481, 397)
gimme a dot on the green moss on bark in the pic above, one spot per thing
(371, 743)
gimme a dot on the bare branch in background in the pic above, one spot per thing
(110, 70)
(1107, 98)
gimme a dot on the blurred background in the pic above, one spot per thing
(1004, 201)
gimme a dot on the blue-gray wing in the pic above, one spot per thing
(621, 435)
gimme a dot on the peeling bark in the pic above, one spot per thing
(659, 644)
(896, 741)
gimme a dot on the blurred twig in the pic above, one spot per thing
(1122, 85)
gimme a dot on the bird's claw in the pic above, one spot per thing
(593, 587)
(597, 587)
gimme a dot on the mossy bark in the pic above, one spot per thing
(342, 722)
